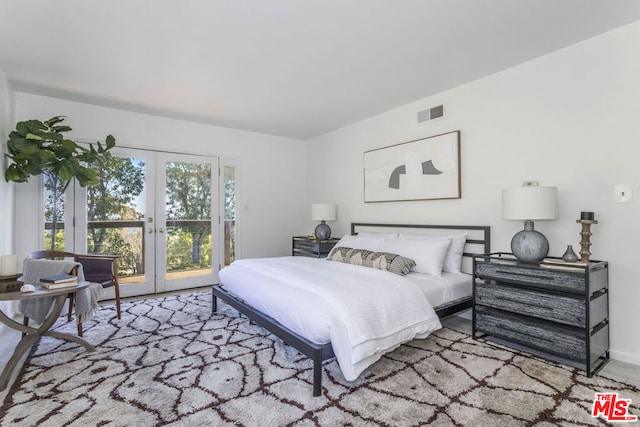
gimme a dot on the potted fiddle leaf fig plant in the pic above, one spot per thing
(37, 147)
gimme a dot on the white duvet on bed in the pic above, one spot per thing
(362, 311)
(447, 288)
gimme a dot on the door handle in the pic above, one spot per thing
(150, 230)
(161, 230)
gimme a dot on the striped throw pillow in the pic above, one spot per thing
(380, 260)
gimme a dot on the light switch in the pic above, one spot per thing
(623, 193)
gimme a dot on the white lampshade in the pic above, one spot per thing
(323, 212)
(530, 203)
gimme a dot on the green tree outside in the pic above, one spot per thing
(114, 199)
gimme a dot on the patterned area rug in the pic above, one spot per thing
(169, 361)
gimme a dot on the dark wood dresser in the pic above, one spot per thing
(553, 306)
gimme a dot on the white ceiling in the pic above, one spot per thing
(296, 68)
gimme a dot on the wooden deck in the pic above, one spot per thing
(124, 280)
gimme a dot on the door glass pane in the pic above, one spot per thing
(115, 214)
(188, 219)
(229, 214)
(53, 212)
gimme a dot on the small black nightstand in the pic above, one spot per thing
(310, 247)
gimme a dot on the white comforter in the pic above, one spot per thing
(362, 311)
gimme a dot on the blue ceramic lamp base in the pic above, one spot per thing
(529, 245)
(323, 231)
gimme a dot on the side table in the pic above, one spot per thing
(34, 334)
(10, 283)
(311, 247)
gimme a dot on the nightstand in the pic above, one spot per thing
(553, 306)
(310, 247)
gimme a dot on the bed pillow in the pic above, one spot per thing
(371, 243)
(429, 254)
(453, 258)
(380, 260)
(385, 236)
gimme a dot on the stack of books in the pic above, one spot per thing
(59, 281)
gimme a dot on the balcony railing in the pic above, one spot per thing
(229, 231)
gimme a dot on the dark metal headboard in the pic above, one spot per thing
(478, 236)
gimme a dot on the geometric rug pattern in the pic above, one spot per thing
(170, 361)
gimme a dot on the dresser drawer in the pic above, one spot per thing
(570, 311)
(305, 246)
(557, 308)
(552, 338)
(563, 279)
(305, 243)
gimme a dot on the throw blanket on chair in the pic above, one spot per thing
(86, 300)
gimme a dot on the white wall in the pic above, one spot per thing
(6, 189)
(271, 193)
(568, 119)
(7, 229)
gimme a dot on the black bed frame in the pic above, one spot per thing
(318, 353)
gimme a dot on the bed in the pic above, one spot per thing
(317, 320)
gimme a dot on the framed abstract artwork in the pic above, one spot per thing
(424, 169)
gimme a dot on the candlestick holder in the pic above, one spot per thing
(585, 241)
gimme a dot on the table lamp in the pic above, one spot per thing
(528, 203)
(323, 212)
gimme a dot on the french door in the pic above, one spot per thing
(160, 213)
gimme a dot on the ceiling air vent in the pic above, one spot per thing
(431, 113)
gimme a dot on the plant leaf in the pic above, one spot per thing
(55, 120)
(52, 136)
(30, 126)
(64, 173)
(16, 143)
(89, 176)
(14, 174)
(71, 145)
(33, 136)
(111, 142)
(60, 129)
(30, 147)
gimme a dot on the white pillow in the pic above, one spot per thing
(428, 253)
(369, 243)
(386, 236)
(453, 258)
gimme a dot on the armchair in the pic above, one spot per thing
(101, 269)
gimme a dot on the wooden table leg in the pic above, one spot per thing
(33, 335)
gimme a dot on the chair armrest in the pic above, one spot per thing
(50, 254)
